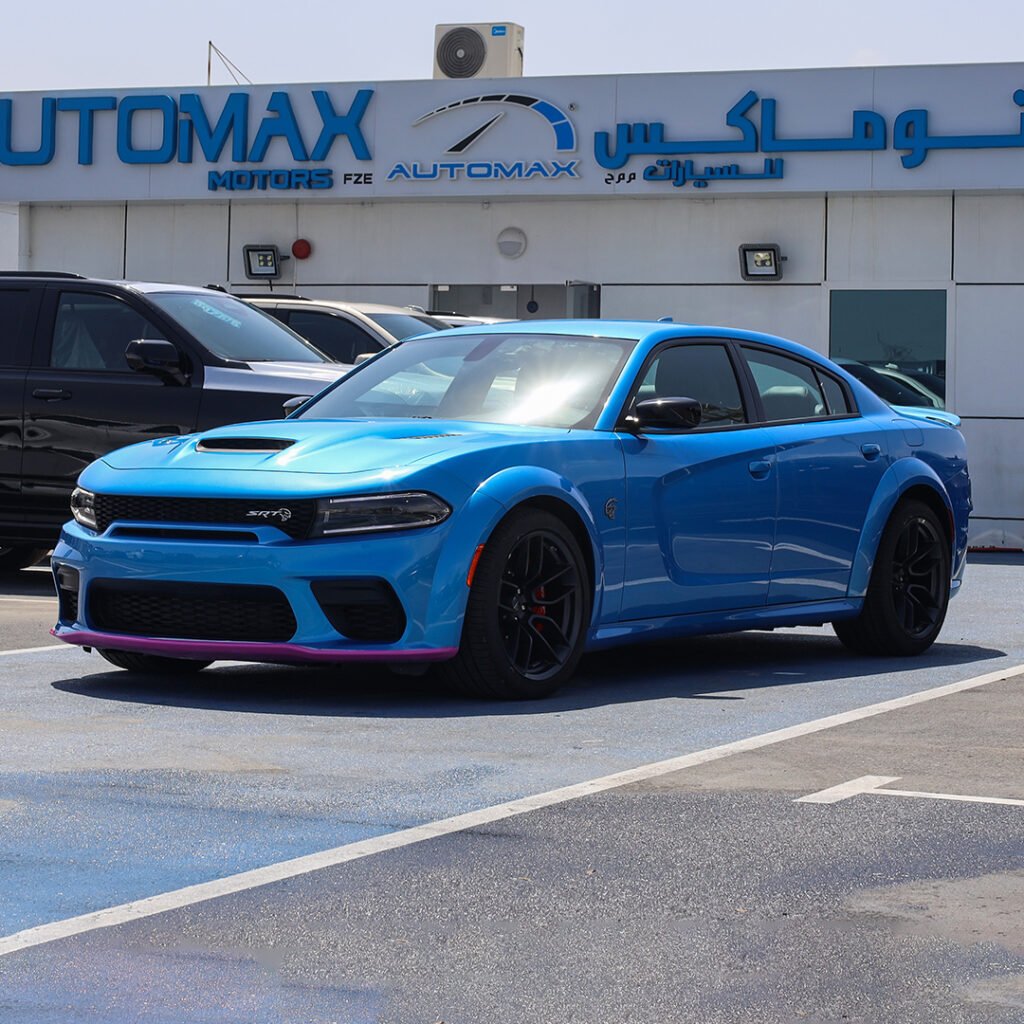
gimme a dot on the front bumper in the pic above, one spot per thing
(407, 562)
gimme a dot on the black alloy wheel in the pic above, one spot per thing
(908, 594)
(918, 589)
(528, 611)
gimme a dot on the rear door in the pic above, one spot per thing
(830, 461)
(19, 303)
(82, 400)
(700, 503)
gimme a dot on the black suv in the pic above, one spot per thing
(87, 366)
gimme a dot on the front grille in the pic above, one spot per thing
(190, 611)
(362, 609)
(293, 516)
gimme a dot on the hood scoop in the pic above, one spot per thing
(424, 437)
(265, 445)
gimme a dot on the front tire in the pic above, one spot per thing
(152, 664)
(909, 591)
(528, 611)
(14, 558)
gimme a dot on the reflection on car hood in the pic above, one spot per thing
(321, 446)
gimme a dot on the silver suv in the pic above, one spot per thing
(346, 330)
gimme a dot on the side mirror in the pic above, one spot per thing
(160, 358)
(667, 413)
(363, 356)
(293, 403)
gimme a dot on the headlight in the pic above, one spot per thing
(374, 512)
(83, 507)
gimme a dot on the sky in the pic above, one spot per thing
(71, 44)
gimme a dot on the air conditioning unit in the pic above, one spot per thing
(478, 51)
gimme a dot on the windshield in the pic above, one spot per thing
(233, 329)
(402, 325)
(528, 379)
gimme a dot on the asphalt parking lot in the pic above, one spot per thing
(730, 882)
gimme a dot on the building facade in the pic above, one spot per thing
(895, 197)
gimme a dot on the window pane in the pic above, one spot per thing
(341, 339)
(837, 403)
(92, 331)
(701, 372)
(900, 334)
(789, 389)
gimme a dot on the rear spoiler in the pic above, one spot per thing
(916, 412)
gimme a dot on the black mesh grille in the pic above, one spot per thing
(67, 593)
(294, 517)
(362, 609)
(190, 611)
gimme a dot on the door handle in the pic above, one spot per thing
(759, 468)
(51, 394)
(871, 451)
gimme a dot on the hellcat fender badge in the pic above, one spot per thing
(610, 508)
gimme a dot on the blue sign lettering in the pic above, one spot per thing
(47, 133)
(126, 111)
(86, 107)
(195, 125)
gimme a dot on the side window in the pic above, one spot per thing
(341, 339)
(701, 372)
(789, 389)
(91, 332)
(13, 304)
(838, 405)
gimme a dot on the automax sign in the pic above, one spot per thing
(855, 129)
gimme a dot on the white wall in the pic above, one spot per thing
(10, 236)
(85, 240)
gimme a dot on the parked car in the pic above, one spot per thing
(346, 330)
(461, 320)
(501, 500)
(87, 366)
(913, 383)
(885, 386)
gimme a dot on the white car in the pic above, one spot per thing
(346, 330)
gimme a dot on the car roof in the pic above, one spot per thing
(635, 330)
(305, 303)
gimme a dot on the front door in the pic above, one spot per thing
(82, 400)
(700, 503)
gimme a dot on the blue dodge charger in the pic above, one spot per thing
(501, 499)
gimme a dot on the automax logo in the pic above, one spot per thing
(183, 129)
(495, 170)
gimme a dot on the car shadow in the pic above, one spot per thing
(27, 583)
(699, 668)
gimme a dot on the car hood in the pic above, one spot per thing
(311, 446)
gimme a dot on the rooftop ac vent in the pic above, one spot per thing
(482, 50)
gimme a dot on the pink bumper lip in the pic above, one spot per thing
(229, 650)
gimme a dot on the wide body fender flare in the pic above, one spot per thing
(899, 478)
(477, 519)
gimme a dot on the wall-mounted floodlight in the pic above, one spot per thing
(262, 261)
(760, 261)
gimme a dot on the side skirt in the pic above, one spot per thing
(814, 613)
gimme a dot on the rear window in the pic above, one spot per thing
(402, 325)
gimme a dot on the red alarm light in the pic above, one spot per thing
(301, 249)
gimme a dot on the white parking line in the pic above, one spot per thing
(871, 785)
(36, 650)
(193, 894)
(29, 600)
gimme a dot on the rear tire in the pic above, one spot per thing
(14, 558)
(908, 594)
(152, 664)
(528, 612)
